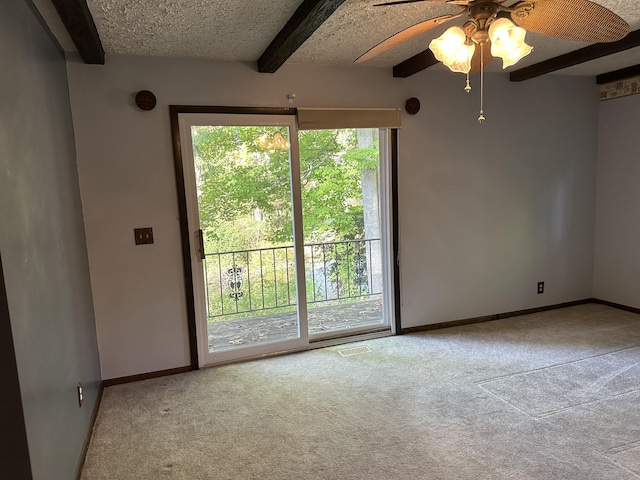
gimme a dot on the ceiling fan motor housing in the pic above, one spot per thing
(483, 10)
(482, 14)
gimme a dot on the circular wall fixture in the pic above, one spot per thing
(412, 106)
(145, 100)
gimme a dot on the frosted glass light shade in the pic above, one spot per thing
(451, 48)
(507, 42)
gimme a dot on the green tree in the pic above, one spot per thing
(244, 188)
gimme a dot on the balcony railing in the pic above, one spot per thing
(246, 281)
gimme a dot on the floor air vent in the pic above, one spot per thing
(347, 352)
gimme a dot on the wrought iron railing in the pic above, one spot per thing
(246, 281)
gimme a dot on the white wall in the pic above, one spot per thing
(486, 211)
(489, 210)
(617, 263)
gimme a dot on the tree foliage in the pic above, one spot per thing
(244, 188)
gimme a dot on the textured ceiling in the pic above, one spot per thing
(241, 30)
(221, 30)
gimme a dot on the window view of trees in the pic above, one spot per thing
(244, 188)
(244, 201)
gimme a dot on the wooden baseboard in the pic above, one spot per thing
(145, 376)
(497, 316)
(87, 440)
(616, 305)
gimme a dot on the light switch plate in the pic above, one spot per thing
(144, 236)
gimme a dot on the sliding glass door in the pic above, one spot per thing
(288, 235)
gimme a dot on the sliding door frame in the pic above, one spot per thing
(395, 238)
(175, 111)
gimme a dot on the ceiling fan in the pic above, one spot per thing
(490, 27)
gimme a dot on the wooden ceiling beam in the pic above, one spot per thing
(576, 57)
(415, 64)
(79, 23)
(618, 75)
(305, 20)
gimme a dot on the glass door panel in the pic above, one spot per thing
(344, 238)
(246, 266)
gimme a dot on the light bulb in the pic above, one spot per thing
(451, 48)
(507, 42)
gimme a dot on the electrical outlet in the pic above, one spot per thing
(80, 395)
(540, 287)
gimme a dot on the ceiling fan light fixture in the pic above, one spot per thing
(453, 50)
(507, 42)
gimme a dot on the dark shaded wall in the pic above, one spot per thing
(43, 250)
(14, 453)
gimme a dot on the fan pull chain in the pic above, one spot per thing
(468, 87)
(481, 117)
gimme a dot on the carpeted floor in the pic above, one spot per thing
(553, 395)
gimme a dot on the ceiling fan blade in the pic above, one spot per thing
(475, 61)
(406, 34)
(399, 2)
(580, 20)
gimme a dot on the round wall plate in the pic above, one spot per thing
(412, 106)
(145, 100)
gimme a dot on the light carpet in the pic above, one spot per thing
(552, 395)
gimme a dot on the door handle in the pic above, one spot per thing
(200, 247)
